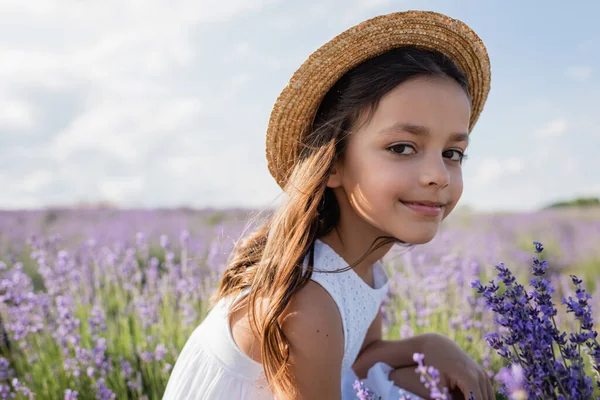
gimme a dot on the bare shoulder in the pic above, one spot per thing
(313, 307)
(313, 326)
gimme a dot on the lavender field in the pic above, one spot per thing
(96, 304)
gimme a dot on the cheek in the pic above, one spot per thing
(380, 181)
(458, 186)
(369, 178)
(456, 191)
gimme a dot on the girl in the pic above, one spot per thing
(367, 141)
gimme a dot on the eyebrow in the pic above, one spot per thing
(420, 130)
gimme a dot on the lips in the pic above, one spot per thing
(431, 204)
(426, 208)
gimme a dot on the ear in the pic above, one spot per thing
(335, 178)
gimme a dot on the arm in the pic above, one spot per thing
(395, 353)
(313, 326)
(458, 371)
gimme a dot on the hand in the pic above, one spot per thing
(458, 371)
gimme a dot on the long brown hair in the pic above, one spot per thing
(269, 261)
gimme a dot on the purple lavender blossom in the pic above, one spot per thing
(513, 380)
(430, 377)
(533, 336)
(140, 283)
(103, 392)
(71, 394)
(184, 238)
(164, 241)
(160, 351)
(97, 321)
(20, 388)
(363, 392)
(6, 392)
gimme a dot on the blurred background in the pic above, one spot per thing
(144, 104)
(132, 157)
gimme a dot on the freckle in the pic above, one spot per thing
(317, 331)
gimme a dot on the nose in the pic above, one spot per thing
(434, 171)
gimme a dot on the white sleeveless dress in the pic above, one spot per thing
(212, 367)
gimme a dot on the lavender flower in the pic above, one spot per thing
(512, 380)
(430, 377)
(533, 339)
(363, 392)
(103, 392)
(160, 351)
(164, 241)
(71, 394)
(184, 238)
(147, 290)
(97, 321)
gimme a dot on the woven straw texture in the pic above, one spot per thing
(296, 106)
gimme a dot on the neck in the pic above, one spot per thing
(352, 238)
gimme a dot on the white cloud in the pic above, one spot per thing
(579, 73)
(595, 189)
(121, 189)
(16, 114)
(361, 9)
(337, 17)
(19, 202)
(558, 154)
(34, 181)
(491, 169)
(571, 165)
(126, 130)
(241, 50)
(244, 52)
(114, 39)
(118, 11)
(183, 166)
(553, 128)
(234, 84)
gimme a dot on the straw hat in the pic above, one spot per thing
(296, 106)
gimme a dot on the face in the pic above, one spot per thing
(408, 153)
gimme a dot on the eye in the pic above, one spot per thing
(400, 149)
(459, 156)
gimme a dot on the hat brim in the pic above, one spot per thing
(295, 108)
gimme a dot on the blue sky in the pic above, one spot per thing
(166, 103)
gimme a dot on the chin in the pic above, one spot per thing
(422, 240)
(416, 237)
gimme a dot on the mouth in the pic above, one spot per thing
(430, 204)
(427, 208)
